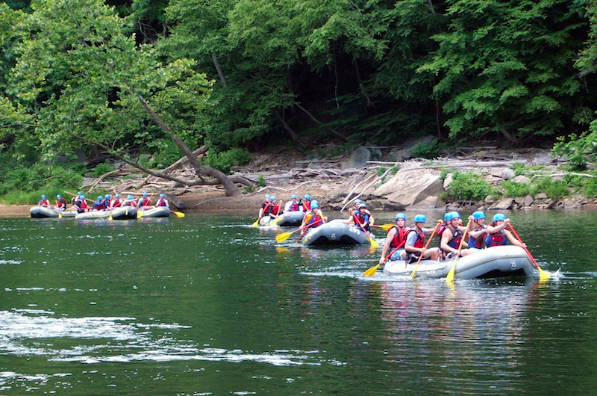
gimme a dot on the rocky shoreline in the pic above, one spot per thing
(384, 185)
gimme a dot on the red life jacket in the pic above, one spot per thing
(456, 238)
(307, 206)
(479, 241)
(161, 202)
(496, 239)
(420, 242)
(294, 207)
(400, 236)
(44, 202)
(145, 202)
(61, 203)
(315, 220)
(266, 206)
(275, 209)
(116, 203)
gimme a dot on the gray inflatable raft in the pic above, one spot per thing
(335, 232)
(122, 213)
(495, 262)
(43, 212)
(158, 211)
(285, 219)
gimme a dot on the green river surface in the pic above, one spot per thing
(208, 305)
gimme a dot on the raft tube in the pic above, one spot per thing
(43, 212)
(158, 211)
(335, 233)
(290, 219)
(122, 213)
(495, 262)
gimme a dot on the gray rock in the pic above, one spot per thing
(570, 203)
(541, 196)
(430, 202)
(358, 159)
(528, 200)
(504, 204)
(542, 159)
(404, 151)
(399, 155)
(410, 186)
(521, 179)
(507, 173)
(519, 200)
(490, 199)
(448, 181)
(375, 153)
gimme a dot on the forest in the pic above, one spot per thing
(139, 79)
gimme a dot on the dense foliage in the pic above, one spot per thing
(244, 74)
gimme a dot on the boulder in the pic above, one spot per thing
(430, 202)
(375, 153)
(542, 159)
(519, 200)
(521, 179)
(503, 173)
(404, 151)
(490, 199)
(358, 158)
(528, 200)
(541, 196)
(503, 204)
(410, 186)
(448, 181)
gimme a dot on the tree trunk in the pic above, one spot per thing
(508, 135)
(288, 129)
(214, 57)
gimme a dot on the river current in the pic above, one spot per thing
(208, 305)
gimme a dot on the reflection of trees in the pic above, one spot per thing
(472, 330)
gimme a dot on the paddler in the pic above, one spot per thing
(451, 237)
(415, 242)
(99, 204)
(395, 238)
(60, 203)
(144, 201)
(361, 218)
(274, 208)
(477, 231)
(265, 207)
(498, 235)
(307, 204)
(162, 202)
(292, 205)
(130, 201)
(313, 219)
(80, 204)
(44, 202)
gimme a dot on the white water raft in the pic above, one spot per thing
(43, 212)
(158, 211)
(495, 262)
(335, 232)
(285, 219)
(122, 213)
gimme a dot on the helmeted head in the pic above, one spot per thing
(400, 216)
(107, 196)
(43, 197)
(363, 206)
(499, 217)
(293, 196)
(82, 196)
(315, 204)
(162, 196)
(420, 218)
(129, 197)
(145, 194)
(357, 202)
(99, 197)
(58, 196)
(267, 197)
(79, 193)
(478, 215)
(448, 217)
(272, 198)
(117, 196)
(307, 197)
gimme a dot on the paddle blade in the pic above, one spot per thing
(256, 223)
(543, 275)
(179, 214)
(386, 226)
(59, 215)
(111, 218)
(373, 243)
(139, 214)
(450, 277)
(371, 271)
(283, 236)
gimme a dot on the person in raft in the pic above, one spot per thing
(396, 236)
(477, 231)
(313, 219)
(265, 207)
(130, 201)
(115, 202)
(144, 201)
(80, 204)
(415, 242)
(307, 204)
(274, 208)
(75, 198)
(498, 235)
(451, 237)
(362, 219)
(44, 202)
(292, 205)
(99, 204)
(60, 203)
(163, 201)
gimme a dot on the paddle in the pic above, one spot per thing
(256, 223)
(371, 271)
(450, 277)
(412, 276)
(178, 214)
(371, 241)
(384, 226)
(543, 275)
(285, 235)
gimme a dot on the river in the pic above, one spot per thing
(207, 305)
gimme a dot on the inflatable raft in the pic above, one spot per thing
(336, 232)
(43, 212)
(495, 262)
(123, 213)
(290, 219)
(158, 211)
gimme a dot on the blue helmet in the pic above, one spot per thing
(499, 217)
(129, 197)
(307, 197)
(478, 215)
(272, 198)
(358, 201)
(43, 197)
(401, 216)
(79, 193)
(420, 218)
(363, 205)
(293, 196)
(107, 196)
(117, 196)
(314, 204)
(162, 196)
(99, 197)
(145, 194)
(82, 196)
(266, 196)
(448, 216)
(58, 196)
(455, 215)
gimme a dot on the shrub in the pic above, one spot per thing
(101, 169)
(381, 170)
(512, 189)
(428, 150)
(261, 181)
(225, 160)
(395, 169)
(469, 186)
(579, 149)
(554, 189)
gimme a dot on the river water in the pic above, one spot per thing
(207, 305)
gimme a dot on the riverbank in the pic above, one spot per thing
(470, 179)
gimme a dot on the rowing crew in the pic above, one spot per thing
(79, 202)
(451, 233)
